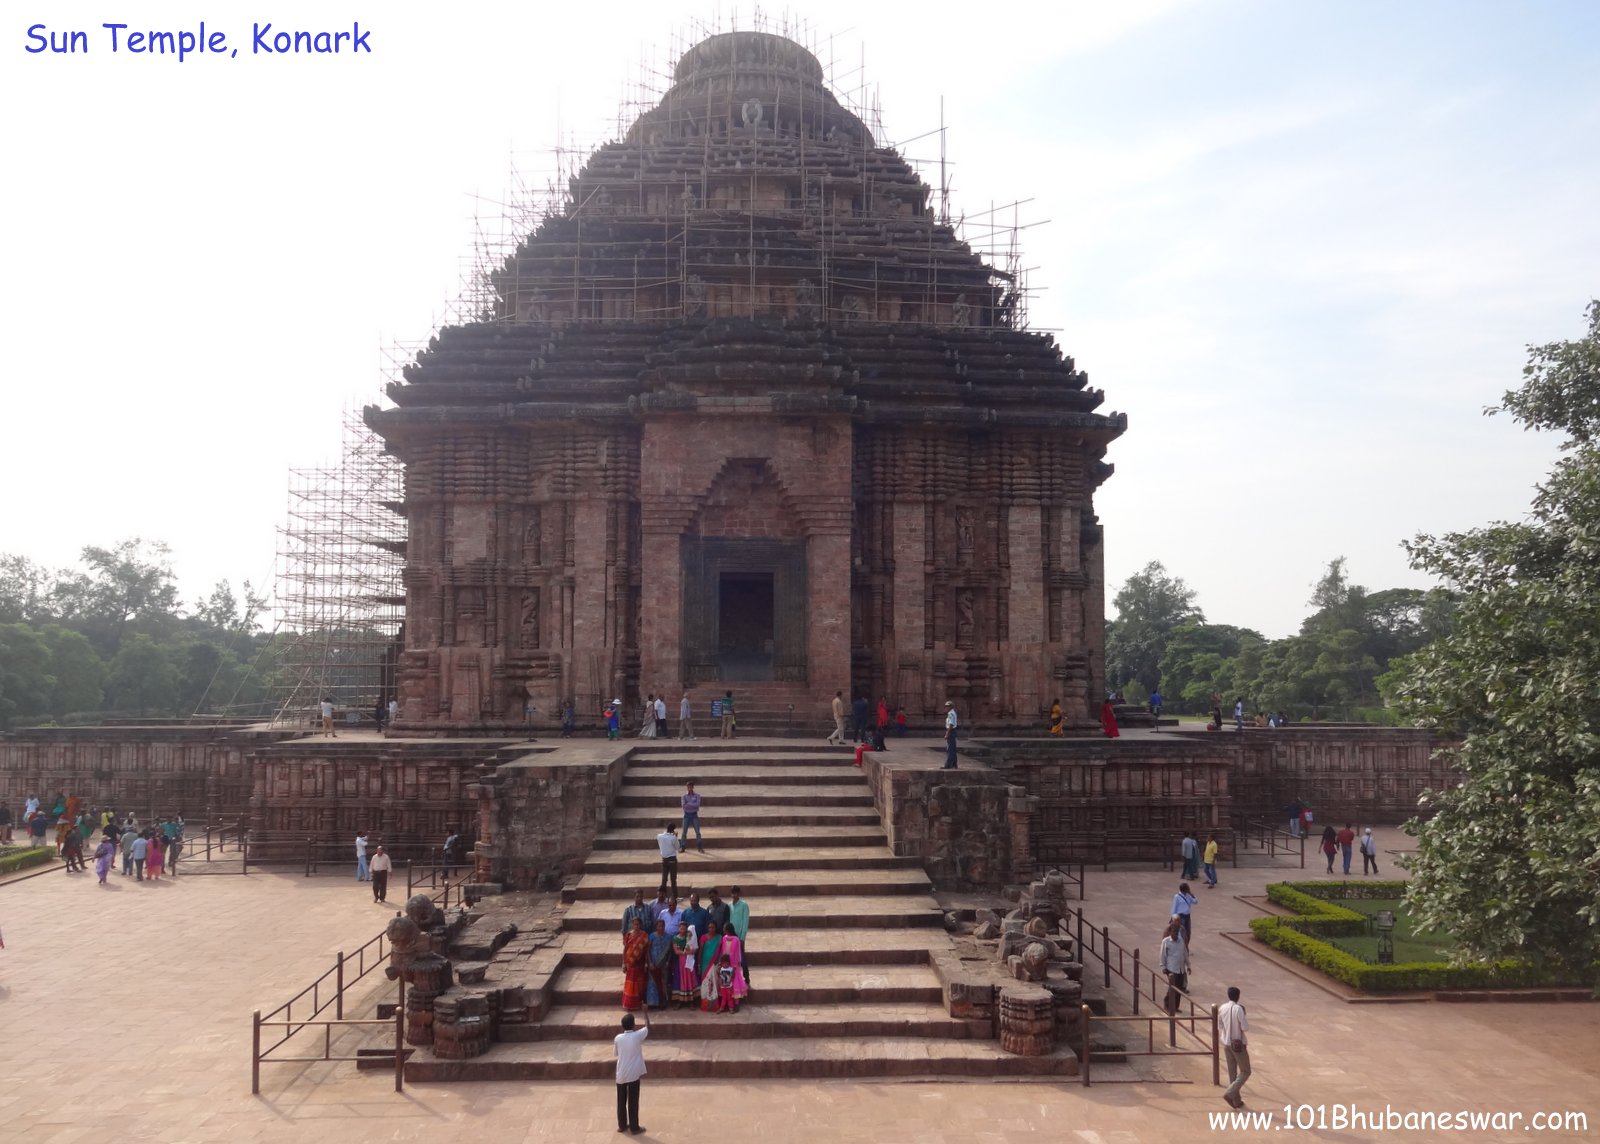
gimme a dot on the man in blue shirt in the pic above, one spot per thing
(1155, 707)
(696, 915)
(690, 802)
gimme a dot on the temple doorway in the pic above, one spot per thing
(746, 628)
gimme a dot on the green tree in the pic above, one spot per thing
(25, 589)
(143, 679)
(1149, 606)
(25, 679)
(1509, 862)
(77, 668)
(129, 586)
(1199, 659)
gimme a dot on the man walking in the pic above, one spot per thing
(661, 716)
(630, 1070)
(362, 873)
(1209, 855)
(1369, 853)
(950, 725)
(141, 847)
(1191, 855)
(727, 715)
(1347, 840)
(1232, 1031)
(685, 720)
(690, 804)
(667, 841)
(837, 738)
(381, 865)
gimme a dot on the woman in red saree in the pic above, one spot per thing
(710, 954)
(1108, 720)
(635, 966)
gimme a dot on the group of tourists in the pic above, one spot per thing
(148, 850)
(653, 717)
(1177, 942)
(1337, 842)
(1195, 855)
(685, 957)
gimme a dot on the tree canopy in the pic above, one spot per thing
(1150, 605)
(1509, 861)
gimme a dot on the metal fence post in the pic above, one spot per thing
(1105, 952)
(400, 1047)
(1086, 1016)
(1216, 1060)
(1136, 982)
(338, 986)
(255, 1055)
(244, 853)
(1302, 852)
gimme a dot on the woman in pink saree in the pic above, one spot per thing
(733, 950)
(153, 857)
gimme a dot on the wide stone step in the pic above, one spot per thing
(786, 946)
(833, 821)
(832, 759)
(746, 1058)
(748, 795)
(809, 913)
(710, 777)
(776, 984)
(884, 1019)
(756, 884)
(642, 857)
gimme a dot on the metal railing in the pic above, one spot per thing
(328, 990)
(1072, 872)
(1271, 839)
(1116, 960)
(258, 1057)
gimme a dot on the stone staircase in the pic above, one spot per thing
(841, 942)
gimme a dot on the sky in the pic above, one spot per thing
(1302, 245)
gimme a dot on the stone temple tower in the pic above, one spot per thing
(748, 416)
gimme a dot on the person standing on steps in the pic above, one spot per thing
(718, 911)
(629, 1071)
(837, 738)
(728, 723)
(739, 919)
(951, 723)
(694, 915)
(685, 718)
(859, 711)
(661, 716)
(1233, 1031)
(667, 840)
(689, 802)
(641, 910)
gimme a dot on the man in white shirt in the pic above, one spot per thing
(950, 724)
(661, 716)
(1175, 964)
(667, 840)
(685, 722)
(394, 710)
(837, 738)
(326, 707)
(630, 1070)
(381, 865)
(361, 857)
(1232, 1030)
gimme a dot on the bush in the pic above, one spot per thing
(1298, 936)
(22, 859)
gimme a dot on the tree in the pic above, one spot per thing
(128, 583)
(25, 679)
(1149, 606)
(143, 679)
(77, 669)
(25, 590)
(1509, 862)
(1199, 659)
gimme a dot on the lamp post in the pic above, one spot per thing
(1383, 922)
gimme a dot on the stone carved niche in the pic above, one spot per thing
(854, 309)
(966, 625)
(532, 539)
(965, 539)
(805, 299)
(961, 312)
(469, 617)
(694, 294)
(752, 113)
(528, 619)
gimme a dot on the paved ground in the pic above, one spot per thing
(128, 1019)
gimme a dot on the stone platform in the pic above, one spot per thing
(845, 947)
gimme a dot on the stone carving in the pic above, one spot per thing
(805, 299)
(1027, 1021)
(416, 939)
(528, 626)
(469, 616)
(602, 198)
(961, 312)
(752, 113)
(966, 625)
(533, 539)
(688, 200)
(694, 295)
(853, 308)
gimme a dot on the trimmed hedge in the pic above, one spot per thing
(1298, 937)
(22, 859)
(1345, 891)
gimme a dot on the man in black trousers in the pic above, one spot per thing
(630, 1069)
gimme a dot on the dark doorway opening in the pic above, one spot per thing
(745, 625)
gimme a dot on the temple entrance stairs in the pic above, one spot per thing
(840, 941)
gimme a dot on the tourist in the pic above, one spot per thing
(1182, 902)
(660, 969)
(1175, 964)
(1155, 707)
(1238, 713)
(378, 712)
(174, 848)
(727, 978)
(1293, 811)
(362, 873)
(900, 722)
(658, 908)
(1191, 855)
(1347, 841)
(739, 919)
(685, 981)
(647, 718)
(951, 724)
(837, 738)
(5, 822)
(567, 716)
(379, 869)
(452, 850)
(72, 851)
(630, 1068)
(641, 912)
(877, 743)
(635, 966)
(1058, 724)
(326, 707)
(661, 716)
(710, 956)
(685, 718)
(155, 855)
(36, 828)
(529, 711)
(1232, 1031)
(689, 803)
(860, 717)
(129, 837)
(1216, 712)
(1209, 856)
(733, 954)
(1108, 720)
(667, 841)
(102, 858)
(1330, 845)
(63, 828)
(614, 720)
(394, 710)
(1369, 852)
(729, 724)
(694, 915)
(883, 715)
(718, 911)
(671, 915)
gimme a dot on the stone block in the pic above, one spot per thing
(986, 931)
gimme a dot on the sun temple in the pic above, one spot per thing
(748, 414)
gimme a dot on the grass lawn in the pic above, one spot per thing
(1410, 943)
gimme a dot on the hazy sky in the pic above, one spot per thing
(1301, 244)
